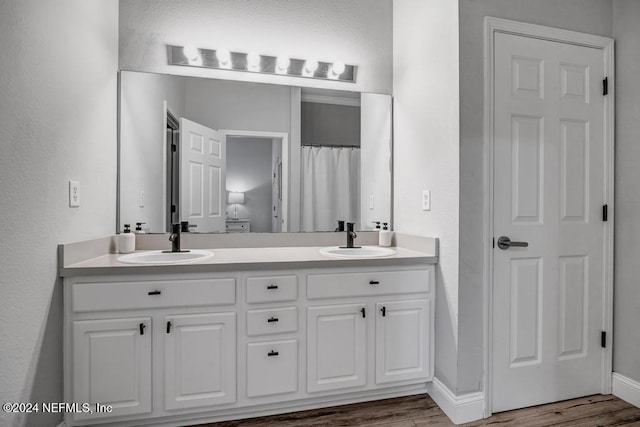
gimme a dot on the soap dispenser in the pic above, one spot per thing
(139, 229)
(127, 241)
(384, 236)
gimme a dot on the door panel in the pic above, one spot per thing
(112, 365)
(337, 342)
(200, 360)
(202, 176)
(548, 191)
(402, 341)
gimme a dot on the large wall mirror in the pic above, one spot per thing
(231, 156)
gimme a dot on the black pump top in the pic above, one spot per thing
(385, 226)
(127, 228)
(139, 226)
(377, 223)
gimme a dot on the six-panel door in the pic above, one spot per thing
(402, 341)
(199, 360)
(336, 347)
(112, 365)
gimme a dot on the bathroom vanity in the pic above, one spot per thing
(249, 332)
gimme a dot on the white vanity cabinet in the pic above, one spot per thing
(199, 360)
(181, 349)
(388, 325)
(112, 364)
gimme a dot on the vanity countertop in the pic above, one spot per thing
(229, 259)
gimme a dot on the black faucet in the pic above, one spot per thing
(174, 238)
(351, 235)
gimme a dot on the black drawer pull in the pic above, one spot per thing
(364, 312)
(384, 311)
(154, 292)
(374, 282)
(272, 353)
(272, 287)
(272, 319)
(142, 326)
(168, 327)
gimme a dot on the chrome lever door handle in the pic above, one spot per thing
(505, 243)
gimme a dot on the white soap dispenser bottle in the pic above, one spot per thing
(127, 241)
(384, 236)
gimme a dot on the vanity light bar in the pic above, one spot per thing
(254, 63)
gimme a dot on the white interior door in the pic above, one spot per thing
(203, 169)
(549, 189)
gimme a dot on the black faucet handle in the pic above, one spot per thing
(350, 226)
(340, 225)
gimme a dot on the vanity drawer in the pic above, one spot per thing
(152, 294)
(272, 321)
(272, 289)
(367, 284)
(272, 368)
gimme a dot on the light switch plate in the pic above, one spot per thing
(426, 200)
(74, 194)
(141, 199)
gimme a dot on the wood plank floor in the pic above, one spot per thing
(421, 411)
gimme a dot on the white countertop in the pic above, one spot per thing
(227, 259)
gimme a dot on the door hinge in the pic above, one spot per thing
(174, 148)
(605, 213)
(603, 339)
(173, 208)
(605, 86)
(493, 243)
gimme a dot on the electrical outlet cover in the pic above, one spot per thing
(74, 194)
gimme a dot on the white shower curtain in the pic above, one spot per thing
(330, 187)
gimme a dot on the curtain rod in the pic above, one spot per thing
(330, 145)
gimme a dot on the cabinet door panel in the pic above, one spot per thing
(402, 341)
(112, 365)
(272, 368)
(200, 360)
(336, 343)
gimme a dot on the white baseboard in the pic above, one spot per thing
(626, 389)
(460, 409)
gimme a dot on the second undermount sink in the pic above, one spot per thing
(362, 252)
(165, 258)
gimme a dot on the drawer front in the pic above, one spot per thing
(152, 294)
(272, 289)
(272, 368)
(272, 321)
(368, 283)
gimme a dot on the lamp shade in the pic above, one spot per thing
(236, 198)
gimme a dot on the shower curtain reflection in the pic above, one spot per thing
(330, 187)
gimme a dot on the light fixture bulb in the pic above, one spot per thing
(310, 66)
(253, 60)
(338, 68)
(223, 56)
(190, 52)
(282, 63)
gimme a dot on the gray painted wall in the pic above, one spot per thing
(58, 88)
(249, 166)
(142, 148)
(626, 338)
(355, 31)
(588, 16)
(330, 124)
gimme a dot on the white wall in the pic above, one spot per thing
(426, 148)
(589, 16)
(375, 159)
(249, 167)
(57, 122)
(142, 148)
(626, 339)
(357, 32)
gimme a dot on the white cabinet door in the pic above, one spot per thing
(402, 341)
(200, 360)
(336, 347)
(272, 368)
(112, 365)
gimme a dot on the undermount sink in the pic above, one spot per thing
(361, 252)
(161, 257)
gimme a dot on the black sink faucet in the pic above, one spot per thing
(351, 235)
(174, 238)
